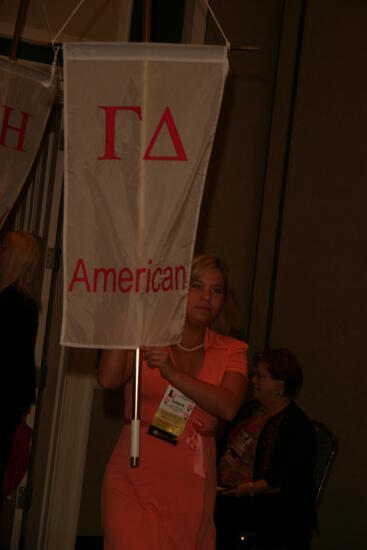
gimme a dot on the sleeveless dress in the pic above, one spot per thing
(167, 503)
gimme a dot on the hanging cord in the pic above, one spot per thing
(48, 83)
(67, 21)
(228, 44)
(46, 20)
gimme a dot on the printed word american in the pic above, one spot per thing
(127, 279)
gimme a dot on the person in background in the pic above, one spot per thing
(167, 503)
(19, 267)
(266, 462)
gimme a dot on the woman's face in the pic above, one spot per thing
(205, 297)
(264, 385)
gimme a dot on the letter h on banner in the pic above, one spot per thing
(6, 126)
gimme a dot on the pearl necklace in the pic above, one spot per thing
(190, 349)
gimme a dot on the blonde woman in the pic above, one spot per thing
(168, 502)
(19, 264)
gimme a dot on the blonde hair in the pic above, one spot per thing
(20, 258)
(226, 320)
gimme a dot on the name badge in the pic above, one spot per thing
(172, 415)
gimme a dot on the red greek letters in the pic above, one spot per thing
(110, 112)
(166, 119)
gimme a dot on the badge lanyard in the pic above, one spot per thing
(172, 415)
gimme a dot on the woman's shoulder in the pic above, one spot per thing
(296, 411)
(297, 419)
(15, 297)
(247, 409)
(9, 296)
(10, 290)
(216, 339)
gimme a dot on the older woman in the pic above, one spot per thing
(168, 502)
(268, 462)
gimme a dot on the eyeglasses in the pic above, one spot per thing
(262, 375)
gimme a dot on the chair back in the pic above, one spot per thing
(326, 449)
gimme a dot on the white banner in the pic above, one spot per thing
(26, 100)
(140, 121)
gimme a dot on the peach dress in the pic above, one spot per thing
(167, 503)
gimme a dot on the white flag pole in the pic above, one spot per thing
(135, 419)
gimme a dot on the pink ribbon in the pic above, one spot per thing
(194, 439)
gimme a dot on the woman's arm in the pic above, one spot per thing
(294, 457)
(116, 367)
(248, 488)
(222, 401)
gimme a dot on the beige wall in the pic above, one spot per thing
(320, 298)
(231, 208)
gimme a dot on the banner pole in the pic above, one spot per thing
(135, 419)
(21, 17)
(147, 20)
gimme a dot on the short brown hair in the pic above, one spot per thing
(283, 365)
